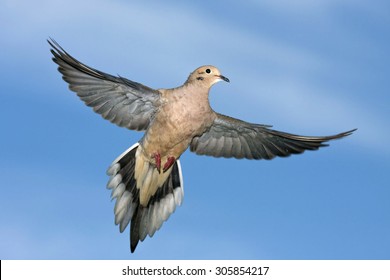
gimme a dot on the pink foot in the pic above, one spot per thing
(157, 158)
(169, 163)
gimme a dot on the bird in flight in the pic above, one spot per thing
(146, 180)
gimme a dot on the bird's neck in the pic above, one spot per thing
(197, 88)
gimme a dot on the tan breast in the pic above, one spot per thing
(186, 113)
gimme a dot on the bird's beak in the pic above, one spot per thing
(223, 78)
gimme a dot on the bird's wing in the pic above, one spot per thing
(119, 100)
(229, 137)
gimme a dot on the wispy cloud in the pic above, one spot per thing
(244, 54)
(313, 77)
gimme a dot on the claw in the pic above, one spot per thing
(157, 158)
(169, 163)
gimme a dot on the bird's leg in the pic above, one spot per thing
(169, 163)
(157, 157)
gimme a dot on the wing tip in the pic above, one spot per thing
(56, 49)
(340, 135)
(349, 132)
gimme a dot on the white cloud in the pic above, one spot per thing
(158, 44)
(319, 7)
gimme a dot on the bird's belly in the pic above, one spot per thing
(169, 138)
(170, 134)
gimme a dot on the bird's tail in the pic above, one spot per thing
(145, 215)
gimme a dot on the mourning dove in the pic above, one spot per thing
(146, 180)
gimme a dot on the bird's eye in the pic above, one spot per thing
(208, 71)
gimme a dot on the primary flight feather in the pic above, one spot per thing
(146, 180)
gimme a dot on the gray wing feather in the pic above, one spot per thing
(229, 137)
(119, 100)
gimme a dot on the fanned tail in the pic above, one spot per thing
(160, 195)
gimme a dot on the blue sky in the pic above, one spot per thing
(311, 68)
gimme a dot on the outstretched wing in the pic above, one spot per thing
(229, 137)
(119, 100)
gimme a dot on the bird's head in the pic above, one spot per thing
(207, 75)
